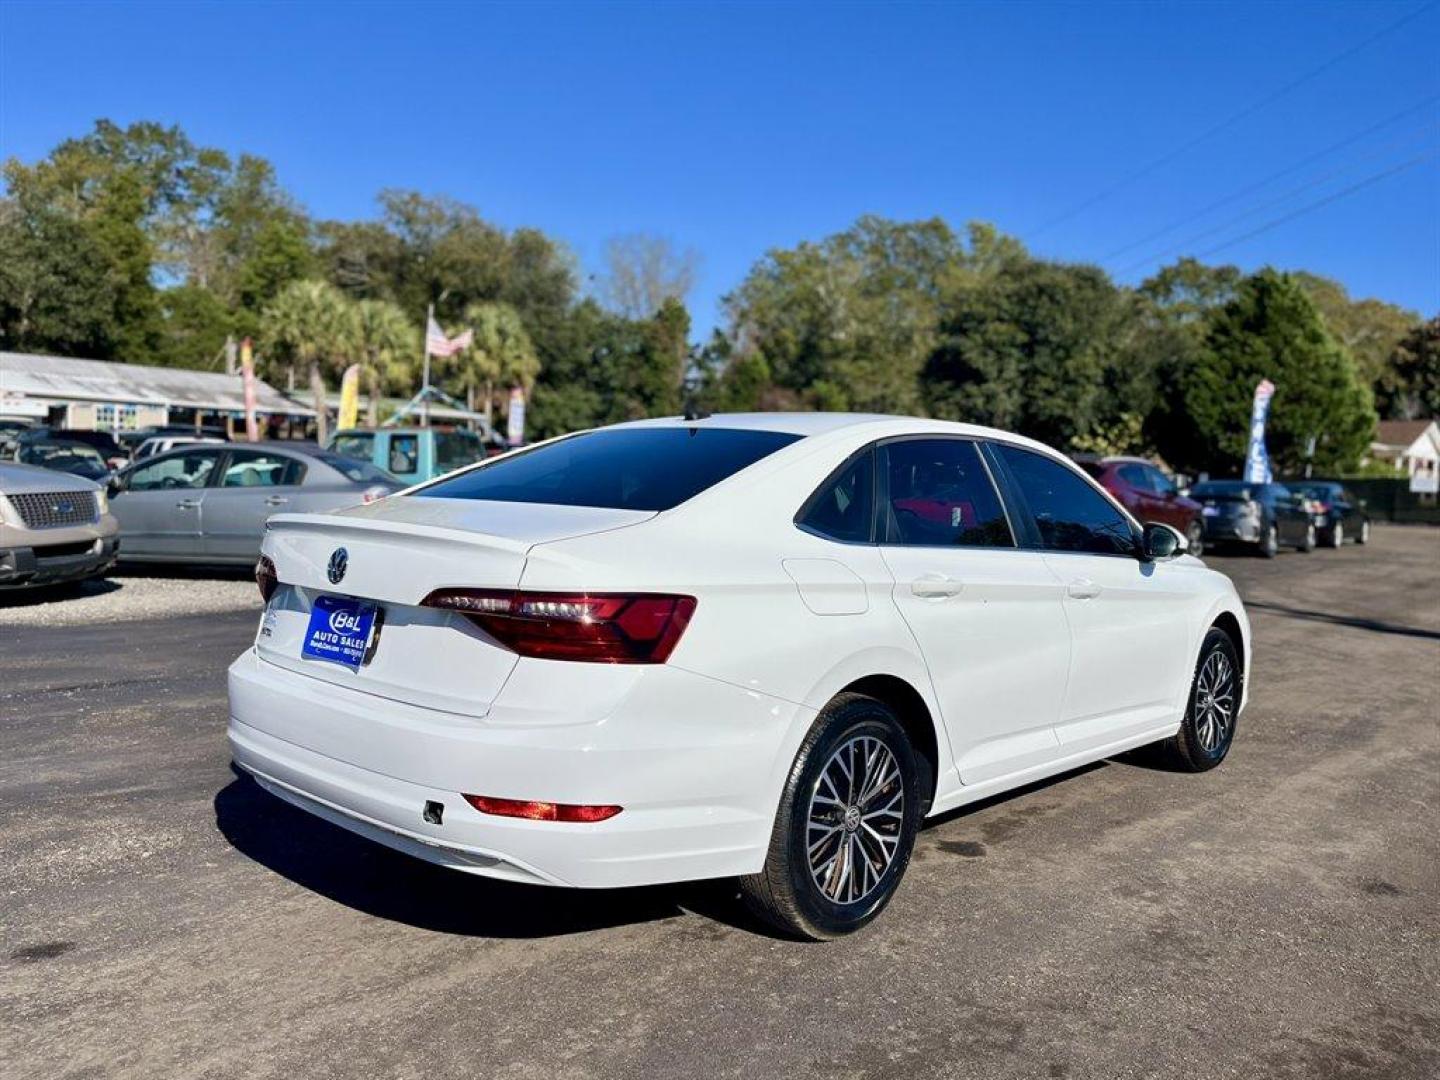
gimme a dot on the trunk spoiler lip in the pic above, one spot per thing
(337, 523)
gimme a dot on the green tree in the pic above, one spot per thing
(1270, 329)
(312, 325)
(1370, 329)
(849, 321)
(390, 345)
(1415, 367)
(603, 368)
(162, 211)
(56, 295)
(501, 355)
(195, 324)
(1028, 348)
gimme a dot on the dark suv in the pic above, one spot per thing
(1149, 494)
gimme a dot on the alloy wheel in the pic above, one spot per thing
(855, 820)
(1214, 702)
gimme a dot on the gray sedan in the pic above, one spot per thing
(209, 503)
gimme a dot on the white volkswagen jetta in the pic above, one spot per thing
(764, 646)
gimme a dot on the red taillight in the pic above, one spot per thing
(266, 577)
(606, 628)
(540, 811)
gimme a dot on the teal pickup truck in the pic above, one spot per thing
(410, 454)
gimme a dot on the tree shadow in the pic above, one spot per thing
(1353, 621)
(376, 880)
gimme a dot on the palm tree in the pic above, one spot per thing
(390, 345)
(310, 323)
(501, 354)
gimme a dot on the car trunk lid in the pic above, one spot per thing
(397, 552)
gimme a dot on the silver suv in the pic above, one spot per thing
(54, 527)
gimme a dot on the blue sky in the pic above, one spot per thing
(734, 128)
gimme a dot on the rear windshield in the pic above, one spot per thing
(623, 469)
(456, 449)
(362, 472)
(1225, 489)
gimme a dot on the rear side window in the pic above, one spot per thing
(456, 449)
(940, 495)
(360, 446)
(1137, 477)
(1068, 513)
(652, 468)
(844, 506)
(190, 470)
(404, 454)
(249, 468)
(362, 472)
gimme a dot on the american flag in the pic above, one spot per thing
(437, 344)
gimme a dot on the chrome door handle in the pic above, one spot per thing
(276, 500)
(188, 504)
(1083, 589)
(935, 587)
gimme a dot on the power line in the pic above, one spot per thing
(1279, 200)
(1240, 193)
(1230, 121)
(1358, 185)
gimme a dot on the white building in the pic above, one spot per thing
(99, 395)
(1414, 447)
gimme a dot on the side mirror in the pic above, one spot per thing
(114, 484)
(1161, 542)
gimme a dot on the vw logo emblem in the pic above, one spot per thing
(339, 560)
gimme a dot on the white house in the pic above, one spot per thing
(1414, 447)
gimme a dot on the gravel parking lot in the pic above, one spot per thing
(161, 916)
(129, 596)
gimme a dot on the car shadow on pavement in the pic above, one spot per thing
(1011, 795)
(373, 879)
(51, 594)
(184, 572)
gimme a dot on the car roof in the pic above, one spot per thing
(811, 424)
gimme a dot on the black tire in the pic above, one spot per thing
(1337, 534)
(1195, 539)
(1363, 537)
(1270, 542)
(1308, 544)
(1197, 747)
(786, 893)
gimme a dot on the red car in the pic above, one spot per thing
(1149, 494)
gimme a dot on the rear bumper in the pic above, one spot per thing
(1219, 530)
(22, 567)
(692, 761)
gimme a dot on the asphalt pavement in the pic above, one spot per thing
(161, 916)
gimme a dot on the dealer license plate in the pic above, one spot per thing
(340, 631)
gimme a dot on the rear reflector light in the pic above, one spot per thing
(605, 628)
(266, 577)
(540, 811)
